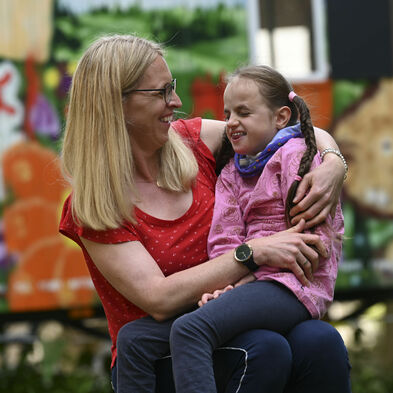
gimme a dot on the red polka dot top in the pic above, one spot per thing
(175, 245)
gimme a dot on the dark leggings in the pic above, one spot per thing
(256, 360)
(194, 336)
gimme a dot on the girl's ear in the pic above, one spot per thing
(283, 115)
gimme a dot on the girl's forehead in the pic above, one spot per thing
(242, 88)
(242, 81)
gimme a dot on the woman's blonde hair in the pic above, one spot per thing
(96, 152)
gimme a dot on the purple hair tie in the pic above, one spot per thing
(298, 178)
(292, 95)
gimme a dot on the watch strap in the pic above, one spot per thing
(250, 264)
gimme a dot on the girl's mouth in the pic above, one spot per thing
(237, 135)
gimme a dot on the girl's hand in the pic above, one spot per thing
(319, 192)
(209, 296)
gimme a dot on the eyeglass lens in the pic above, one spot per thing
(169, 90)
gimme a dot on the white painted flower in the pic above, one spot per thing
(11, 111)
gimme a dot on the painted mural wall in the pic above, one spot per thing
(39, 48)
(363, 128)
(41, 43)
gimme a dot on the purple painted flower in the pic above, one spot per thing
(44, 118)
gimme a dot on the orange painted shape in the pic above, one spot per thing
(49, 276)
(27, 221)
(319, 98)
(208, 97)
(77, 289)
(33, 285)
(31, 170)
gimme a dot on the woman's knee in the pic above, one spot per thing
(316, 335)
(318, 345)
(320, 359)
(126, 335)
(132, 340)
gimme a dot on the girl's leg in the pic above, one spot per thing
(254, 361)
(139, 344)
(194, 336)
(320, 359)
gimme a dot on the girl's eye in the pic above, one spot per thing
(244, 114)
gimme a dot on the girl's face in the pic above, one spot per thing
(146, 113)
(251, 124)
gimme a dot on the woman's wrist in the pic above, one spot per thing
(258, 251)
(335, 159)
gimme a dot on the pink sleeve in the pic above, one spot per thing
(227, 230)
(290, 156)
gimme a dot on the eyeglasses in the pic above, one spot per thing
(166, 91)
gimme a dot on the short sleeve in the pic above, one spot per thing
(68, 227)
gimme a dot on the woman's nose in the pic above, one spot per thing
(175, 100)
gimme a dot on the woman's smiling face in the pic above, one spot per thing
(146, 113)
(251, 124)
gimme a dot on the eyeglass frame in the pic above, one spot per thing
(171, 86)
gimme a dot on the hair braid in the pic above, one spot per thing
(308, 156)
(224, 154)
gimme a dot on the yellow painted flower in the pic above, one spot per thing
(52, 77)
(71, 67)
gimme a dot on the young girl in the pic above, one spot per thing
(254, 194)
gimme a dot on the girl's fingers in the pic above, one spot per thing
(204, 299)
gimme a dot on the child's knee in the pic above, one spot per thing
(189, 327)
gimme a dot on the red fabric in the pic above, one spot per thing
(175, 245)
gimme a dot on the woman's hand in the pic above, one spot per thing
(319, 192)
(291, 250)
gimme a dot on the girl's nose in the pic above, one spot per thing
(232, 121)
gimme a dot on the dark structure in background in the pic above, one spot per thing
(360, 37)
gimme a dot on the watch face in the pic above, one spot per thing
(243, 252)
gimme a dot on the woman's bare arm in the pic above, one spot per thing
(133, 272)
(211, 134)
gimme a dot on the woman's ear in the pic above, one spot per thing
(283, 115)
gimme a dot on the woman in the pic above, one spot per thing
(141, 206)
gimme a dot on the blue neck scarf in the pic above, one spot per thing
(249, 166)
